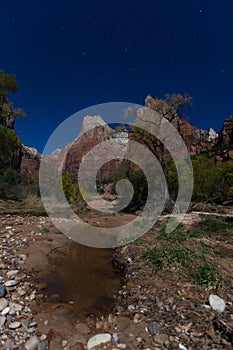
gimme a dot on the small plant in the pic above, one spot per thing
(140, 241)
(169, 256)
(196, 232)
(206, 275)
(45, 229)
(190, 260)
(216, 224)
(176, 236)
(208, 226)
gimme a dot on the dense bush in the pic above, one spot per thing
(213, 181)
(70, 188)
(9, 143)
(225, 179)
(13, 185)
(10, 185)
(206, 180)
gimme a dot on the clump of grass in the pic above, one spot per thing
(165, 256)
(176, 236)
(140, 241)
(208, 226)
(206, 274)
(45, 229)
(191, 260)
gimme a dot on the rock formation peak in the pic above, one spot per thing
(93, 121)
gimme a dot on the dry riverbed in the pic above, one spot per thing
(56, 294)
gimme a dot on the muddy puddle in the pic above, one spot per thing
(79, 278)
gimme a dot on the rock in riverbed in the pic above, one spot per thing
(98, 339)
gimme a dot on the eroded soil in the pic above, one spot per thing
(80, 292)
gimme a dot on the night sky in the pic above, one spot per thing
(68, 55)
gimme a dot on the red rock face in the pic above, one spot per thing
(26, 160)
(196, 140)
(29, 160)
(226, 133)
(83, 145)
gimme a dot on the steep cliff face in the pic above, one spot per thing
(94, 131)
(196, 140)
(226, 133)
(26, 160)
(8, 121)
(30, 160)
(224, 148)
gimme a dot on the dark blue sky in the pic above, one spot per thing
(68, 55)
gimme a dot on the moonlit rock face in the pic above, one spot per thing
(212, 134)
(217, 303)
(31, 150)
(91, 122)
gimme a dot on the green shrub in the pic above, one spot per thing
(225, 177)
(9, 143)
(10, 184)
(205, 178)
(191, 260)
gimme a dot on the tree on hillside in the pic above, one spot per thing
(168, 107)
(9, 141)
(8, 84)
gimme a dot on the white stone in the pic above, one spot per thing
(182, 347)
(3, 304)
(11, 283)
(131, 308)
(32, 344)
(21, 292)
(217, 303)
(98, 339)
(115, 337)
(14, 325)
(14, 308)
(5, 311)
(32, 296)
(22, 256)
(2, 321)
(12, 273)
(64, 343)
(43, 337)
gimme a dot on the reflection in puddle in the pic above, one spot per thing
(83, 277)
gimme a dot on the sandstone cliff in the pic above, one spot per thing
(94, 131)
(30, 161)
(196, 140)
(226, 133)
